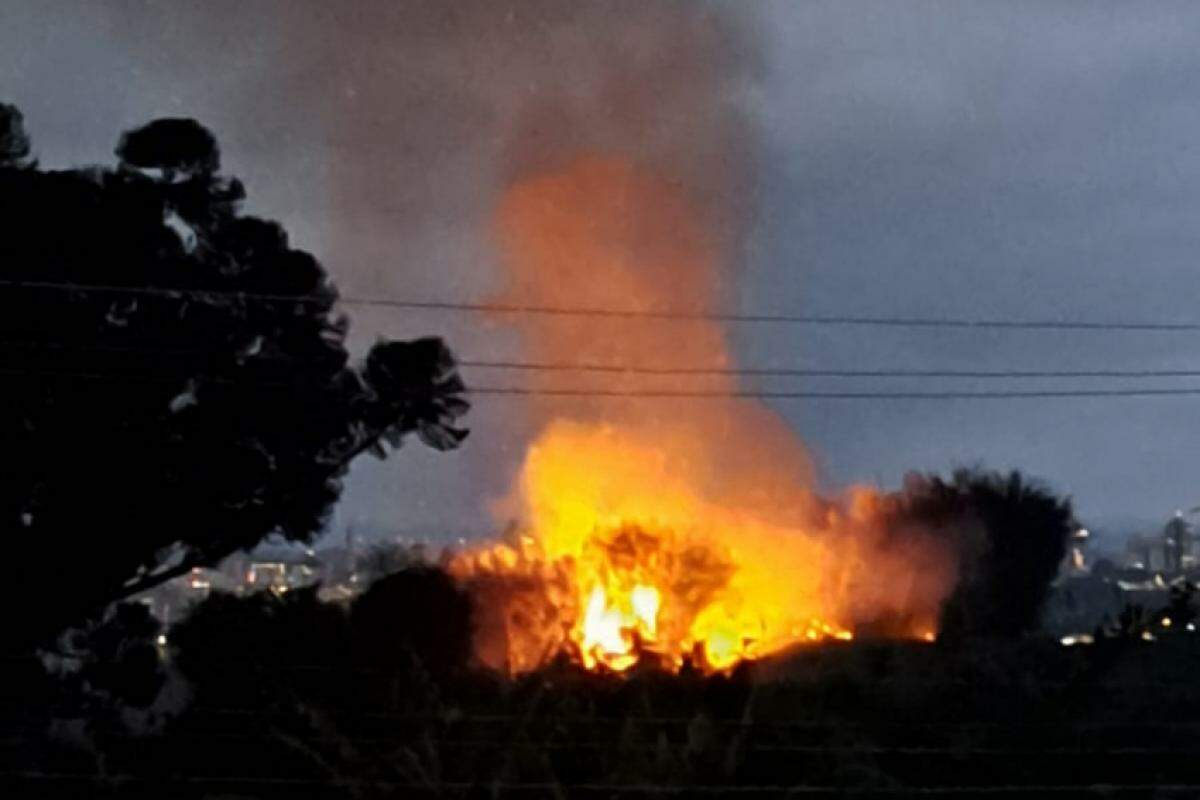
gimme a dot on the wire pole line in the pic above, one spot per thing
(829, 373)
(691, 371)
(659, 314)
(818, 395)
(516, 391)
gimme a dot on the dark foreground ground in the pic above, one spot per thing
(1117, 719)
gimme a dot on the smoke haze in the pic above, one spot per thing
(956, 159)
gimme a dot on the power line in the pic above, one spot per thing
(820, 395)
(659, 314)
(800, 319)
(827, 373)
(737, 394)
(685, 371)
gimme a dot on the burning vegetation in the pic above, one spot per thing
(667, 532)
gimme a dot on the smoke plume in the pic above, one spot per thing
(670, 529)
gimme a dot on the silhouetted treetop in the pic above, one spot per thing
(1011, 536)
(173, 146)
(14, 142)
(418, 612)
(177, 383)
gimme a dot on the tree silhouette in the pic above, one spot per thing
(418, 612)
(177, 384)
(173, 146)
(118, 658)
(1011, 535)
(260, 648)
(14, 142)
(240, 651)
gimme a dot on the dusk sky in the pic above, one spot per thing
(1013, 161)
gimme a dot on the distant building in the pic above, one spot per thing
(278, 569)
(270, 568)
(1170, 551)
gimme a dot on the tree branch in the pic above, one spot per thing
(150, 581)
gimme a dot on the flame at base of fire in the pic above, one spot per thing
(625, 562)
(630, 597)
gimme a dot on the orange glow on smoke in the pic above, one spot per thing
(664, 531)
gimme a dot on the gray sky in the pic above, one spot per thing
(959, 159)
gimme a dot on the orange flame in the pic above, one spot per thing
(668, 532)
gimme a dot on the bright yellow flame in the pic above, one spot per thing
(675, 532)
(641, 566)
(611, 635)
(645, 608)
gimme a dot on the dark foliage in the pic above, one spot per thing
(246, 650)
(884, 719)
(417, 612)
(286, 702)
(14, 141)
(416, 620)
(119, 655)
(176, 378)
(1011, 536)
(173, 146)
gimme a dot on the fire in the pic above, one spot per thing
(610, 635)
(624, 561)
(665, 533)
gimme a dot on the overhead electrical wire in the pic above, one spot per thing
(674, 371)
(513, 391)
(661, 314)
(834, 395)
(694, 371)
(826, 373)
